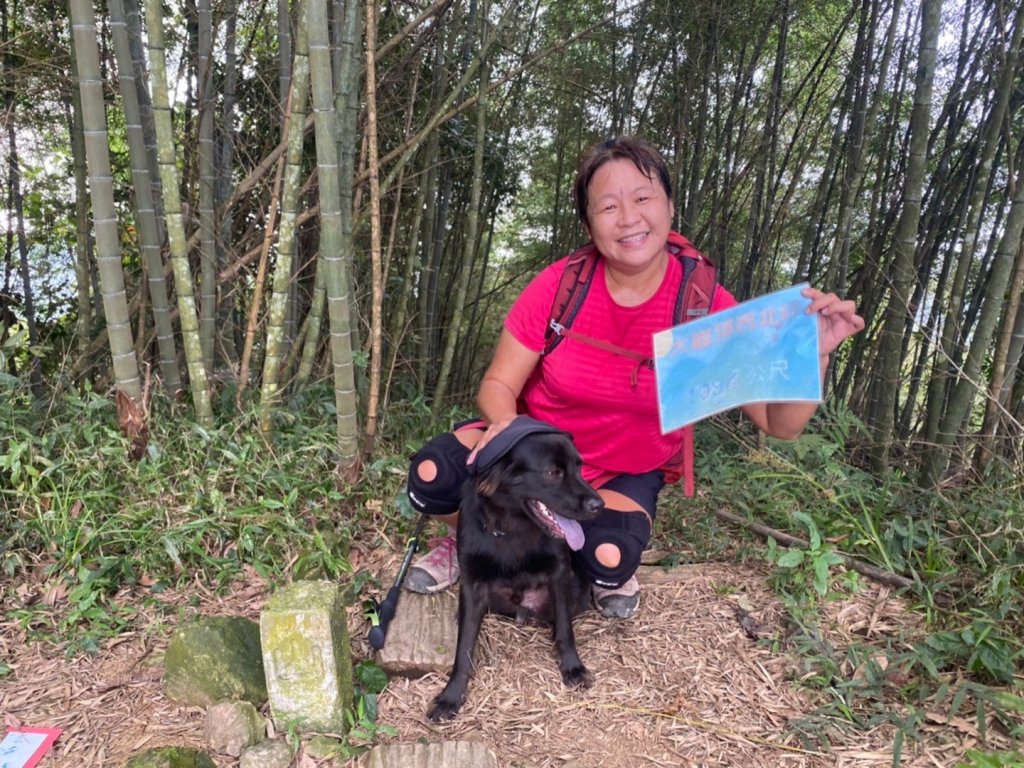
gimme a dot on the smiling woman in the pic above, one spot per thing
(591, 385)
(629, 216)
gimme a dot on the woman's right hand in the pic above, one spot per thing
(489, 434)
(501, 386)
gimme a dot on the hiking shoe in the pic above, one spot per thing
(621, 603)
(437, 569)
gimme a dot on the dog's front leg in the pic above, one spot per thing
(574, 673)
(472, 607)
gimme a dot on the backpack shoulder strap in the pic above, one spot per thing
(572, 290)
(700, 276)
(696, 292)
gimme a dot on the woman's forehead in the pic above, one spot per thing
(620, 176)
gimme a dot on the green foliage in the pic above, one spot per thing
(370, 682)
(361, 719)
(981, 647)
(960, 549)
(797, 567)
(976, 759)
(84, 521)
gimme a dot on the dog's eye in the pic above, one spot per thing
(554, 473)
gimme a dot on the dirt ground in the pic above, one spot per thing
(683, 683)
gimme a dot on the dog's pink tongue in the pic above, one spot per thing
(572, 530)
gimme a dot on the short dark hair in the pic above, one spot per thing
(645, 157)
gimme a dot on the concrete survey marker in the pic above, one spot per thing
(422, 635)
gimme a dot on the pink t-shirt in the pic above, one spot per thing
(588, 391)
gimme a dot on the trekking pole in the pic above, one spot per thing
(384, 612)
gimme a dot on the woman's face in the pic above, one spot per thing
(630, 215)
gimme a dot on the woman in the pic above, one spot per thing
(624, 200)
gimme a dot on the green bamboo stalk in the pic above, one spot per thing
(332, 257)
(207, 181)
(101, 187)
(281, 288)
(167, 161)
(149, 231)
(455, 331)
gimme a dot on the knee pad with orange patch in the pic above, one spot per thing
(629, 531)
(440, 496)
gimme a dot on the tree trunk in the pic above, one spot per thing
(862, 126)
(83, 232)
(225, 246)
(762, 199)
(207, 180)
(348, 15)
(376, 285)
(332, 257)
(470, 244)
(108, 243)
(150, 241)
(281, 291)
(284, 51)
(944, 371)
(166, 155)
(962, 397)
(1003, 366)
(887, 376)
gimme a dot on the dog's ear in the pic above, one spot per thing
(487, 482)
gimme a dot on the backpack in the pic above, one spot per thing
(696, 292)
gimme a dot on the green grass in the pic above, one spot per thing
(81, 522)
(961, 548)
(200, 504)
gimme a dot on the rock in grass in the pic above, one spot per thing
(307, 656)
(266, 754)
(231, 726)
(171, 757)
(215, 658)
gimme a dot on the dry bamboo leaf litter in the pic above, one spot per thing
(681, 684)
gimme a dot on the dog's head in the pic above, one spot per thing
(537, 473)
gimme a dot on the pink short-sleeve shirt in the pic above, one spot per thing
(588, 391)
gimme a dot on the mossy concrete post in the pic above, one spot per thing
(307, 657)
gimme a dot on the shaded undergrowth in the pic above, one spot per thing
(958, 552)
(80, 522)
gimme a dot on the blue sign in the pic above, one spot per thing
(763, 350)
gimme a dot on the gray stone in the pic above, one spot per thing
(215, 658)
(307, 656)
(266, 754)
(231, 726)
(171, 757)
(450, 754)
(422, 635)
(322, 747)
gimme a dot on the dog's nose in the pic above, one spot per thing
(594, 506)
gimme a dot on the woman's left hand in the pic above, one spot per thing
(837, 319)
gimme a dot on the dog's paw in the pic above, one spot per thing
(577, 676)
(444, 709)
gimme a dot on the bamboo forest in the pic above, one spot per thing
(257, 253)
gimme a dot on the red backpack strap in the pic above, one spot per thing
(572, 290)
(688, 481)
(700, 276)
(696, 292)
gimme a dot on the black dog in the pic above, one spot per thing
(516, 526)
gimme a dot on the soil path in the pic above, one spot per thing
(683, 683)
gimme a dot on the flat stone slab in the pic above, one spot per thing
(422, 635)
(448, 754)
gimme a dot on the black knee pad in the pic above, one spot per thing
(440, 496)
(629, 531)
